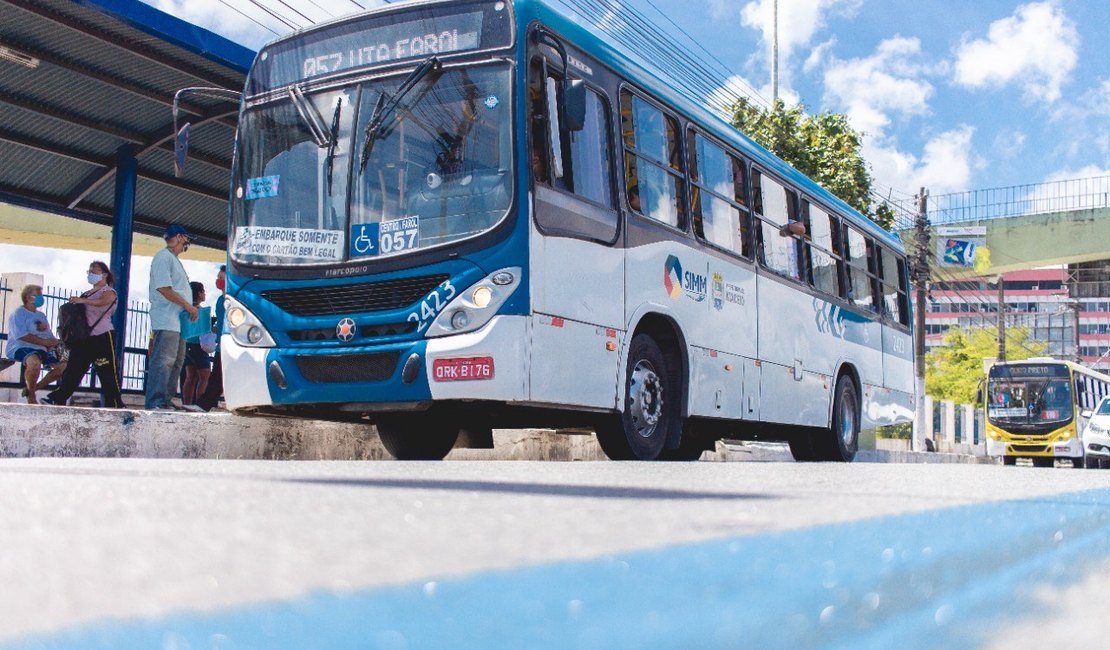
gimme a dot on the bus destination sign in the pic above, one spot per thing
(375, 39)
(421, 38)
(1030, 370)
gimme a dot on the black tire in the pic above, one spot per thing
(1078, 463)
(417, 437)
(1009, 460)
(690, 448)
(650, 410)
(841, 442)
(1104, 463)
(801, 447)
(1044, 462)
(1091, 462)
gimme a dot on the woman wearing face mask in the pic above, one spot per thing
(31, 342)
(99, 350)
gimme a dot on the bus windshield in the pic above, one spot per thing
(436, 172)
(1029, 400)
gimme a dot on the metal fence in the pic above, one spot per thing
(135, 347)
(1017, 200)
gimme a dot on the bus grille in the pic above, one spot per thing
(348, 368)
(364, 332)
(353, 298)
(1029, 449)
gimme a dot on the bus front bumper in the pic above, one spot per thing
(1071, 448)
(487, 364)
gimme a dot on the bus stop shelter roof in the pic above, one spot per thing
(83, 80)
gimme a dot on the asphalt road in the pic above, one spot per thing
(149, 553)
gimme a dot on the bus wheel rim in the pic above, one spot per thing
(645, 393)
(847, 418)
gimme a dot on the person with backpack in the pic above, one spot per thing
(92, 346)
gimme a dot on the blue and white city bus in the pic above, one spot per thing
(461, 215)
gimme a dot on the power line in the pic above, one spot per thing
(250, 18)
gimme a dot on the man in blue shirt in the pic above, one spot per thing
(31, 342)
(170, 294)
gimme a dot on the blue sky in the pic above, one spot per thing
(952, 96)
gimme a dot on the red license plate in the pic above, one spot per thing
(464, 369)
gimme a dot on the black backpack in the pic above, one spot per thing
(73, 324)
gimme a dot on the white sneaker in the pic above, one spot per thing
(193, 408)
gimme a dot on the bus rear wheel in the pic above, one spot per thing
(640, 429)
(841, 441)
(417, 437)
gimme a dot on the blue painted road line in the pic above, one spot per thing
(942, 578)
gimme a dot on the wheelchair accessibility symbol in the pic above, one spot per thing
(364, 240)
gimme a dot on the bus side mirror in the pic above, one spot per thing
(1085, 414)
(979, 396)
(180, 150)
(574, 105)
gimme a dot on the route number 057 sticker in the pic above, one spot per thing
(385, 238)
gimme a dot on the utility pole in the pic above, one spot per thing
(1073, 281)
(774, 52)
(1001, 319)
(921, 285)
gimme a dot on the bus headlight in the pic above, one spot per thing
(473, 308)
(245, 327)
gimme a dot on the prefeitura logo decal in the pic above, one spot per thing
(676, 281)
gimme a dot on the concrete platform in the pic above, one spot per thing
(54, 431)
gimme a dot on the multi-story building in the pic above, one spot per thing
(1053, 304)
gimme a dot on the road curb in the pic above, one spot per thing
(53, 431)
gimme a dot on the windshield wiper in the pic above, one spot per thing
(385, 111)
(333, 141)
(311, 117)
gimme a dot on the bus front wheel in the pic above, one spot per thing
(417, 437)
(650, 406)
(842, 440)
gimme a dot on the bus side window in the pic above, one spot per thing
(652, 161)
(541, 157)
(895, 300)
(775, 208)
(717, 199)
(859, 279)
(826, 276)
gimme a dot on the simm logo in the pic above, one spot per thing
(676, 281)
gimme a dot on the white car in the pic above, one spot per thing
(1096, 437)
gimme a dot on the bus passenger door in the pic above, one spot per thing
(577, 270)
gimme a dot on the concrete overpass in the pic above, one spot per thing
(1029, 226)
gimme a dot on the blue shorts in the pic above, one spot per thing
(46, 357)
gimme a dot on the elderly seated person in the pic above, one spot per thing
(31, 342)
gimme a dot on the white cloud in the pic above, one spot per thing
(799, 20)
(1088, 171)
(890, 81)
(1037, 47)
(945, 165)
(1009, 143)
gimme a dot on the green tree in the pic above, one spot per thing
(824, 147)
(953, 371)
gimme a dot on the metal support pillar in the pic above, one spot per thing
(123, 223)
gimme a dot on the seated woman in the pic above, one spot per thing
(31, 343)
